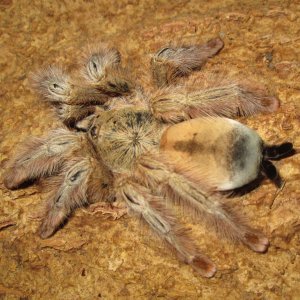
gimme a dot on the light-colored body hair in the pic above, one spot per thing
(171, 63)
(124, 135)
(184, 185)
(97, 60)
(154, 212)
(231, 99)
(73, 174)
(52, 83)
(226, 151)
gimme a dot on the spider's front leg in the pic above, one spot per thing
(102, 69)
(72, 102)
(171, 63)
(71, 115)
(152, 209)
(56, 86)
(103, 78)
(75, 175)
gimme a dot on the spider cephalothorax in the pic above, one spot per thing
(150, 149)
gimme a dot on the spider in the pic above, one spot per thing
(176, 144)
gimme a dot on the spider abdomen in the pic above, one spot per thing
(223, 150)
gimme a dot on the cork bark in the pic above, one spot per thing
(97, 257)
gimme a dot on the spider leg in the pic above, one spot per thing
(181, 184)
(68, 192)
(71, 102)
(76, 175)
(39, 157)
(55, 86)
(143, 203)
(82, 181)
(169, 63)
(104, 78)
(101, 68)
(97, 59)
(117, 82)
(70, 115)
(228, 100)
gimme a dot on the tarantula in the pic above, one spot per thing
(173, 145)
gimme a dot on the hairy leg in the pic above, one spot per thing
(225, 100)
(82, 181)
(103, 78)
(39, 157)
(55, 86)
(179, 183)
(70, 115)
(171, 63)
(77, 188)
(101, 67)
(143, 203)
(68, 191)
(97, 60)
(75, 175)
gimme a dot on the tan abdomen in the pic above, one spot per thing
(226, 152)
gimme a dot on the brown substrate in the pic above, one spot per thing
(93, 257)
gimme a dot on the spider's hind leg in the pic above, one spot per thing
(144, 203)
(191, 190)
(67, 192)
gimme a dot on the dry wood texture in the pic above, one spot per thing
(95, 257)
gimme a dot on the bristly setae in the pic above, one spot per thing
(176, 145)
